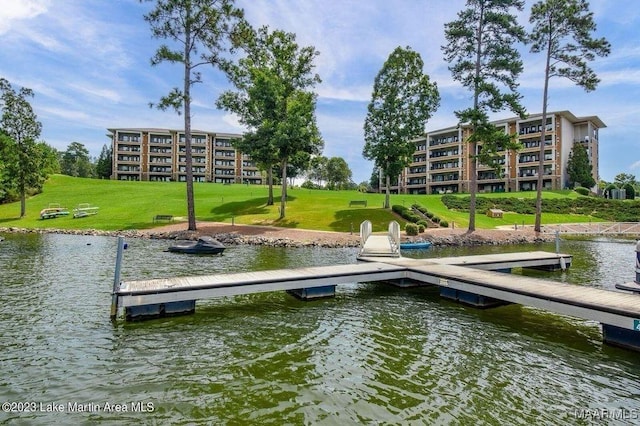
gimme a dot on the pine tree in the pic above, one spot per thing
(579, 169)
(480, 49)
(562, 31)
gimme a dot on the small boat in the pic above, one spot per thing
(204, 245)
(415, 245)
(84, 210)
(54, 210)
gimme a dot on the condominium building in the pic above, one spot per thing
(441, 161)
(160, 155)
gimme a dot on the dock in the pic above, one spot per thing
(482, 281)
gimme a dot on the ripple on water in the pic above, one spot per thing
(373, 354)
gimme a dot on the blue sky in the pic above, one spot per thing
(88, 64)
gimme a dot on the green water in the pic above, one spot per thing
(372, 355)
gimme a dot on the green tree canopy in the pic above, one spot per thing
(317, 170)
(23, 163)
(76, 161)
(579, 169)
(273, 100)
(403, 100)
(339, 175)
(622, 179)
(200, 30)
(104, 164)
(562, 31)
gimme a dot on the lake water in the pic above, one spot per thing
(374, 354)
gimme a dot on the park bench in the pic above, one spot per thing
(357, 203)
(163, 217)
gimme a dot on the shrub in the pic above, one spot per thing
(429, 215)
(411, 229)
(581, 190)
(406, 213)
(422, 222)
(435, 219)
(444, 224)
(630, 193)
(421, 228)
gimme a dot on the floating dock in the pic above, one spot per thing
(482, 281)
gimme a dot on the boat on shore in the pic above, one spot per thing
(415, 245)
(54, 210)
(204, 245)
(84, 210)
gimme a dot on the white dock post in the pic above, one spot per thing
(116, 279)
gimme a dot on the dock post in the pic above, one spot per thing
(638, 263)
(557, 242)
(116, 279)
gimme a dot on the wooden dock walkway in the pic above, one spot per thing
(476, 280)
(166, 290)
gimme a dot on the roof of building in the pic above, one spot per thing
(169, 131)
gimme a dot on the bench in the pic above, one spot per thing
(357, 203)
(161, 217)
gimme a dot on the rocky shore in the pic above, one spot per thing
(287, 237)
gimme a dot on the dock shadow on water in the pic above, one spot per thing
(373, 354)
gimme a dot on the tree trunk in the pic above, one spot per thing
(191, 211)
(270, 181)
(387, 193)
(473, 185)
(473, 178)
(283, 197)
(23, 201)
(545, 93)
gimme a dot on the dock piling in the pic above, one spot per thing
(638, 263)
(116, 279)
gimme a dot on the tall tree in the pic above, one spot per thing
(562, 30)
(193, 26)
(50, 158)
(104, 164)
(273, 100)
(579, 169)
(76, 162)
(317, 170)
(403, 100)
(338, 173)
(622, 179)
(480, 48)
(21, 127)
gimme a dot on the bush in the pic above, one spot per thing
(444, 224)
(630, 193)
(307, 184)
(422, 222)
(435, 219)
(421, 228)
(582, 190)
(406, 213)
(411, 229)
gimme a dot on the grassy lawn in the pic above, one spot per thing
(132, 205)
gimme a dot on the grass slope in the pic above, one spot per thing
(132, 205)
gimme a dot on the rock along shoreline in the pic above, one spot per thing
(442, 238)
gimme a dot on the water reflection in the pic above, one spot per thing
(373, 354)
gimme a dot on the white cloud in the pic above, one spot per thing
(14, 12)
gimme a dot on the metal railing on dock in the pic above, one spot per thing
(595, 228)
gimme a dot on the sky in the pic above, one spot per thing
(88, 63)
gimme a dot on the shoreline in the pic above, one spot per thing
(292, 237)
